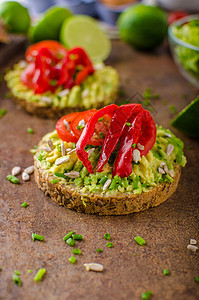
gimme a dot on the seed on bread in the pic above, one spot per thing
(16, 170)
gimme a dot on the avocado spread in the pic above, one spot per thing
(158, 166)
(96, 90)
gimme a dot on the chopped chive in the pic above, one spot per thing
(68, 235)
(74, 145)
(156, 96)
(40, 157)
(30, 130)
(100, 119)
(101, 135)
(38, 237)
(34, 150)
(53, 82)
(77, 237)
(39, 276)
(173, 109)
(109, 245)
(147, 94)
(12, 179)
(60, 175)
(3, 111)
(29, 271)
(107, 236)
(25, 204)
(146, 102)
(140, 240)
(147, 295)
(197, 279)
(164, 102)
(70, 242)
(16, 278)
(103, 180)
(133, 254)
(17, 272)
(72, 260)
(128, 124)
(54, 181)
(59, 147)
(166, 272)
(80, 127)
(77, 251)
(99, 250)
(134, 145)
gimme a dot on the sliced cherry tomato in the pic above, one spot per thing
(64, 133)
(176, 15)
(57, 50)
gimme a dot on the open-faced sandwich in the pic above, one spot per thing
(53, 81)
(110, 161)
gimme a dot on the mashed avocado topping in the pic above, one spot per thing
(156, 167)
(96, 90)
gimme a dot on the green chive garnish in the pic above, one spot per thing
(54, 181)
(103, 180)
(29, 271)
(173, 109)
(77, 251)
(109, 245)
(38, 237)
(147, 295)
(53, 82)
(25, 204)
(40, 157)
(140, 240)
(12, 179)
(128, 124)
(68, 236)
(39, 276)
(134, 145)
(166, 272)
(133, 254)
(59, 147)
(70, 242)
(197, 279)
(72, 260)
(16, 278)
(17, 272)
(100, 119)
(101, 135)
(74, 145)
(60, 175)
(107, 236)
(80, 127)
(77, 237)
(99, 250)
(3, 111)
(30, 130)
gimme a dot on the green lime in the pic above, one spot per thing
(48, 27)
(84, 31)
(143, 27)
(188, 119)
(15, 16)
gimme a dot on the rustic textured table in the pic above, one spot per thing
(166, 229)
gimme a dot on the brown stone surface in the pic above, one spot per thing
(166, 228)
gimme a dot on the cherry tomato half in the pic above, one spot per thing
(57, 50)
(64, 133)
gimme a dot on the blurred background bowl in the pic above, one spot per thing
(185, 54)
(188, 5)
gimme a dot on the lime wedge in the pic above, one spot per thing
(48, 26)
(188, 119)
(84, 31)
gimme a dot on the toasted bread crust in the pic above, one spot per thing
(121, 204)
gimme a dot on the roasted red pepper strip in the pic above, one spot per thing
(143, 130)
(117, 126)
(88, 133)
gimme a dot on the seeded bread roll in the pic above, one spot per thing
(98, 203)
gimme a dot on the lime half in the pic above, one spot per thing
(188, 119)
(84, 31)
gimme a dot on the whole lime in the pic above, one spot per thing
(142, 26)
(48, 26)
(15, 16)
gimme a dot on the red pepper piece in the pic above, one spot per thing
(88, 133)
(117, 126)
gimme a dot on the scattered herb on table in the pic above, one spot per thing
(25, 204)
(166, 272)
(39, 276)
(72, 260)
(16, 277)
(164, 102)
(99, 250)
(110, 245)
(3, 111)
(30, 130)
(197, 279)
(34, 150)
(147, 295)
(77, 237)
(17, 272)
(29, 271)
(67, 236)
(133, 254)
(12, 179)
(70, 242)
(189, 147)
(38, 237)
(77, 251)
(140, 240)
(173, 109)
(107, 236)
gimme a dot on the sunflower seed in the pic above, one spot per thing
(63, 149)
(66, 124)
(71, 151)
(22, 64)
(64, 93)
(99, 66)
(166, 169)
(82, 123)
(171, 173)
(84, 93)
(72, 174)
(25, 176)
(162, 164)
(106, 185)
(47, 149)
(61, 160)
(50, 144)
(169, 150)
(136, 155)
(168, 135)
(94, 267)
(140, 147)
(161, 171)
(29, 170)
(90, 152)
(193, 242)
(192, 248)
(46, 99)
(16, 170)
